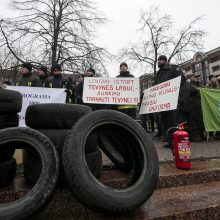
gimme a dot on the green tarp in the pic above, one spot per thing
(210, 100)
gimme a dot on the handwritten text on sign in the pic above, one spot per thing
(35, 95)
(162, 97)
(116, 91)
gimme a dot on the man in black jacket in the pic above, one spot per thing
(79, 91)
(58, 81)
(27, 78)
(42, 74)
(167, 72)
(129, 110)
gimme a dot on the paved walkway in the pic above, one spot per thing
(199, 150)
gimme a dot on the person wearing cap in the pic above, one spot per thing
(212, 82)
(167, 72)
(42, 74)
(79, 88)
(90, 72)
(27, 78)
(129, 110)
(58, 81)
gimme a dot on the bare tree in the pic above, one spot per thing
(160, 37)
(53, 31)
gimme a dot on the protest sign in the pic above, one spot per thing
(36, 95)
(117, 91)
(162, 97)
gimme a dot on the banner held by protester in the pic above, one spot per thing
(210, 100)
(162, 97)
(36, 95)
(117, 91)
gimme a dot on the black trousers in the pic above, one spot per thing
(169, 119)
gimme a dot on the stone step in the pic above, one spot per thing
(199, 198)
(199, 201)
(201, 172)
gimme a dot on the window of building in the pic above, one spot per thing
(215, 59)
(215, 68)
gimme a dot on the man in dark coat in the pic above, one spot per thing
(129, 110)
(42, 74)
(167, 72)
(27, 78)
(58, 81)
(196, 126)
(79, 91)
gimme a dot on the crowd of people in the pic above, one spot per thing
(189, 103)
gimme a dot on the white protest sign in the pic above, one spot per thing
(162, 97)
(117, 91)
(36, 95)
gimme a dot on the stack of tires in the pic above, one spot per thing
(10, 105)
(130, 145)
(55, 121)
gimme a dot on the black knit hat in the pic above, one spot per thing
(123, 64)
(91, 70)
(27, 66)
(162, 57)
(57, 67)
(43, 68)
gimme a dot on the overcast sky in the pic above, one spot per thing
(123, 18)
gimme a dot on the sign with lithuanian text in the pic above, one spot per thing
(117, 91)
(36, 95)
(162, 97)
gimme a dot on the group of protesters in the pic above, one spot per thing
(74, 92)
(188, 108)
(189, 103)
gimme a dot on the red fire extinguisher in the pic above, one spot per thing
(181, 146)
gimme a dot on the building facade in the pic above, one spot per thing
(203, 64)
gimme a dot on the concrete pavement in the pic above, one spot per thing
(199, 150)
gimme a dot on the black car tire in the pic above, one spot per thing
(58, 137)
(117, 150)
(10, 101)
(7, 172)
(54, 116)
(9, 120)
(38, 197)
(85, 186)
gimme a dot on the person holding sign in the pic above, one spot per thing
(27, 78)
(129, 110)
(167, 72)
(58, 81)
(79, 91)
